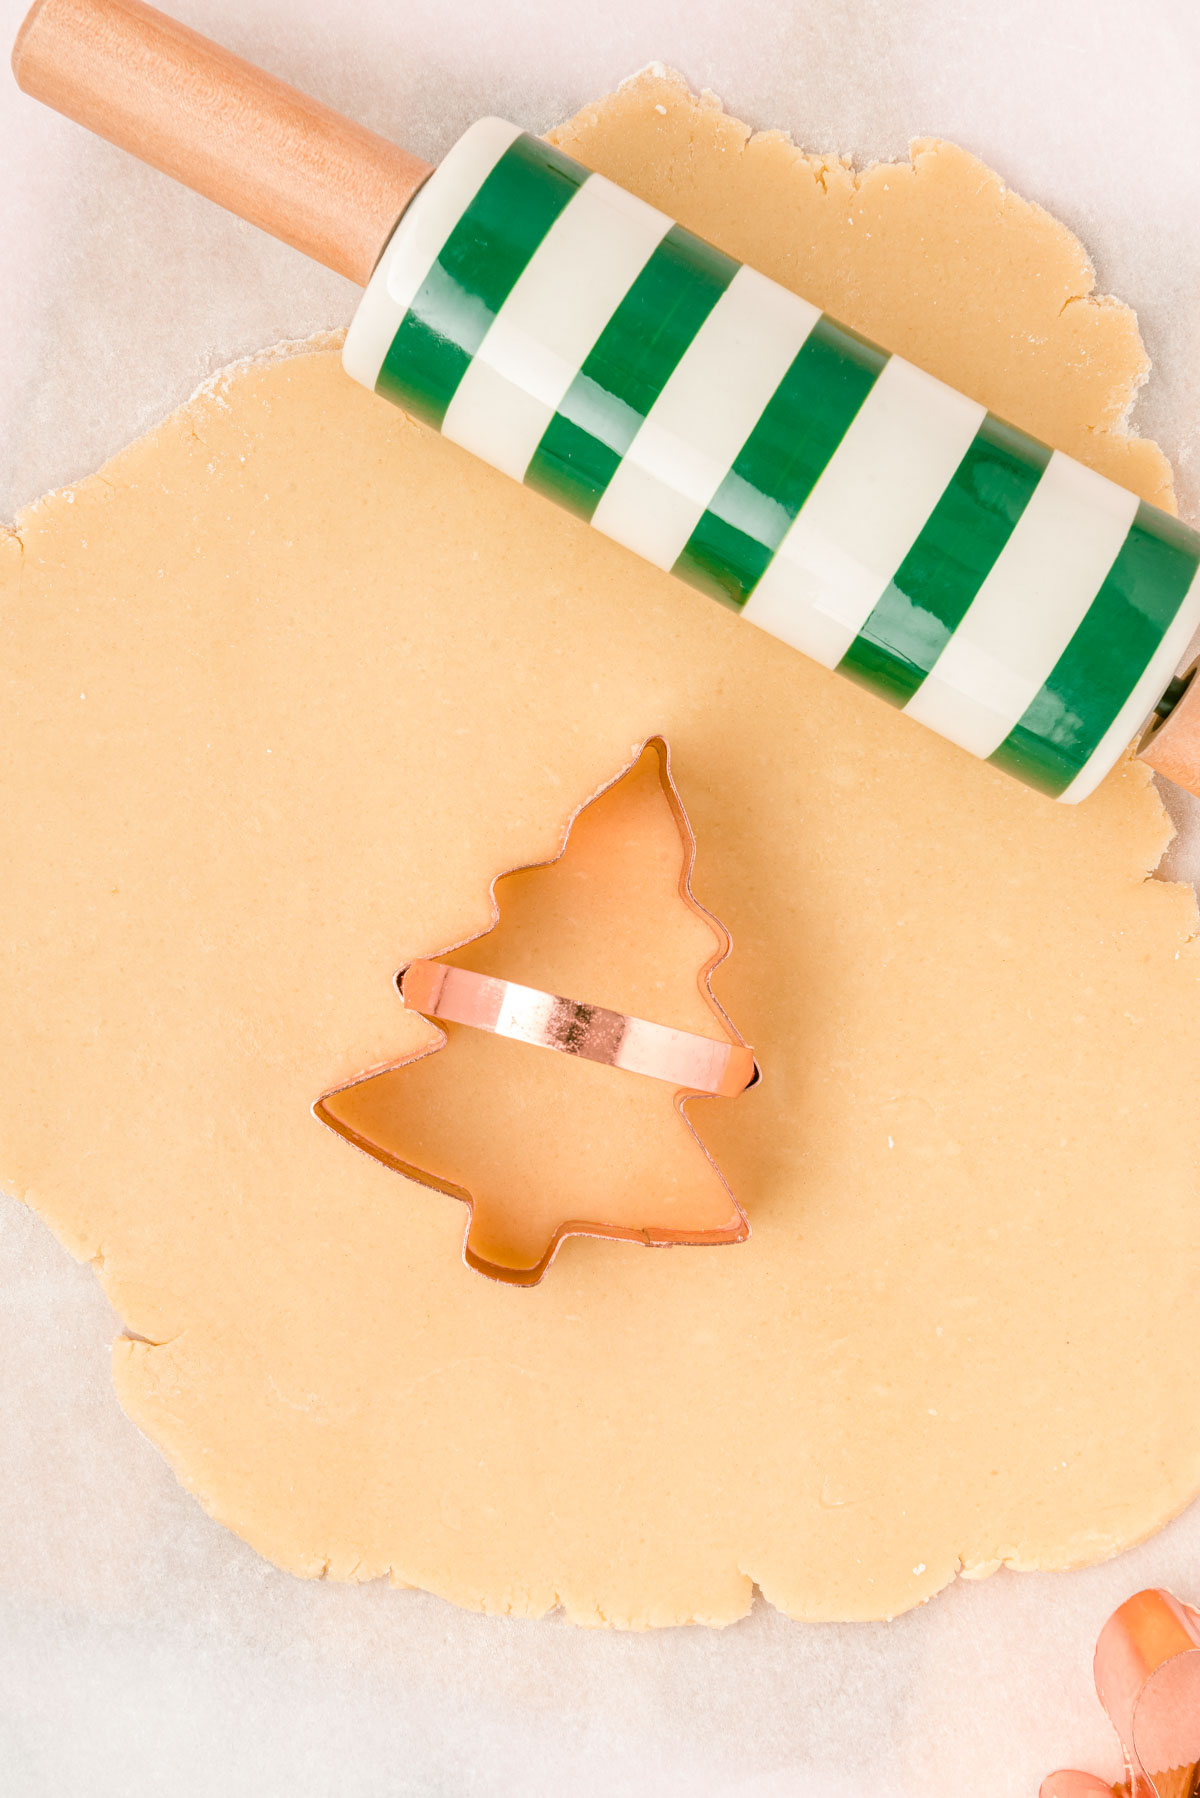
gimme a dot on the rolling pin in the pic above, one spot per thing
(713, 422)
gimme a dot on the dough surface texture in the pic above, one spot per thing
(284, 687)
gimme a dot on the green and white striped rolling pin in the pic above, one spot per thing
(574, 337)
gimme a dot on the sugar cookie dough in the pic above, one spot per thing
(283, 688)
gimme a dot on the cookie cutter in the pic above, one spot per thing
(697, 1066)
(1147, 1671)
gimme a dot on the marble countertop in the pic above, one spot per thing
(141, 1646)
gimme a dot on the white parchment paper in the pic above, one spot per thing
(144, 1650)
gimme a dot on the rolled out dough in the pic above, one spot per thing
(286, 685)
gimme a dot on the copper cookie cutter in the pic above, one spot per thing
(1147, 1671)
(697, 1066)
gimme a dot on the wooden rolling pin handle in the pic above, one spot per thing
(1172, 747)
(251, 143)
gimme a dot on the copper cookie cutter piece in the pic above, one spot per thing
(697, 1066)
(1147, 1671)
(694, 1064)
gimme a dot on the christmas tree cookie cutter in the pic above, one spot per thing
(697, 1066)
(1147, 1670)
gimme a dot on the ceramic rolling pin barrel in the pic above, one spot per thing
(709, 420)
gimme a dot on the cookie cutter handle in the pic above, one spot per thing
(230, 131)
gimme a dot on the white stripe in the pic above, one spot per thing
(1171, 654)
(865, 512)
(564, 297)
(1033, 600)
(704, 414)
(417, 242)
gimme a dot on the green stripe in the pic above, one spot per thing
(478, 268)
(1107, 656)
(623, 375)
(929, 594)
(780, 462)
